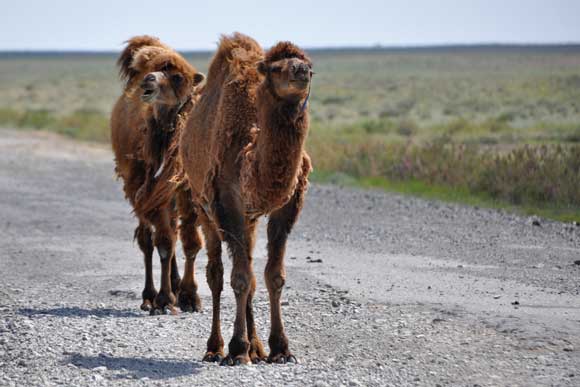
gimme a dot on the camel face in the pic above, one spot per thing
(290, 77)
(168, 87)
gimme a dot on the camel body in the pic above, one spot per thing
(143, 129)
(242, 154)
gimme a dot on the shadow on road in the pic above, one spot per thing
(136, 367)
(78, 312)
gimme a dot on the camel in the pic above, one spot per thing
(159, 91)
(242, 154)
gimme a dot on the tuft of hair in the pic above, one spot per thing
(152, 58)
(234, 51)
(126, 71)
(285, 50)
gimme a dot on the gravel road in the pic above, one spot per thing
(383, 290)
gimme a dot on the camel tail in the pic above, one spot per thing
(126, 71)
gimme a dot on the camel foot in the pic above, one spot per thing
(230, 360)
(257, 353)
(148, 295)
(213, 357)
(189, 301)
(282, 358)
(164, 304)
(147, 305)
(169, 310)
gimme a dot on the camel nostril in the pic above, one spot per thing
(149, 78)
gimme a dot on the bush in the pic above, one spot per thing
(540, 174)
(81, 124)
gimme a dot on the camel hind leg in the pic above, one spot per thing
(215, 280)
(188, 298)
(230, 216)
(257, 353)
(164, 239)
(144, 239)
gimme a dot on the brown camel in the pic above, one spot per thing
(159, 91)
(242, 153)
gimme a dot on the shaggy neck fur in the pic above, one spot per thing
(274, 159)
(161, 125)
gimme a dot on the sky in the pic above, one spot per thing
(197, 25)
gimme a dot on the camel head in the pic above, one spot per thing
(168, 86)
(288, 71)
(168, 79)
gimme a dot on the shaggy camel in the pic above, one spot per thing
(242, 153)
(159, 87)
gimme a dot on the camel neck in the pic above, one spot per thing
(165, 116)
(278, 148)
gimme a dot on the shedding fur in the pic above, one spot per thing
(242, 155)
(144, 136)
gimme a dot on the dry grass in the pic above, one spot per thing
(495, 123)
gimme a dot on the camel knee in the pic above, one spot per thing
(164, 248)
(191, 242)
(165, 243)
(241, 282)
(191, 252)
(144, 238)
(215, 276)
(164, 253)
(275, 282)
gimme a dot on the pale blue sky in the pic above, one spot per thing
(104, 25)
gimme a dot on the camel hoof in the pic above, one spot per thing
(146, 306)
(189, 303)
(282, 358)
(166, 310)
(213, 357)
(258, 360)
(238, 360)
(227, 361)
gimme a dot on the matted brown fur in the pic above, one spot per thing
(142, 134)
(243, 156)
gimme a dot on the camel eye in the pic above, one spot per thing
(276, 69)
(176, 79)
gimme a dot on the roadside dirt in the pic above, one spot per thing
(383, 290)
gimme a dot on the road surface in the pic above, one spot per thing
(383, 290)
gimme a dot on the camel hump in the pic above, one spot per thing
(126, 71)
(236, 54)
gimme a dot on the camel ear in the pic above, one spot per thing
(262, 68)
(198, 78)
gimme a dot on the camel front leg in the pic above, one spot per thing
(229, 212)
(175, 278)
(279, 227)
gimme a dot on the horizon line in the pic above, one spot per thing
(372, 47)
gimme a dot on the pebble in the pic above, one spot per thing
(98, 378)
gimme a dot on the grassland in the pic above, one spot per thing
(496, 126)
